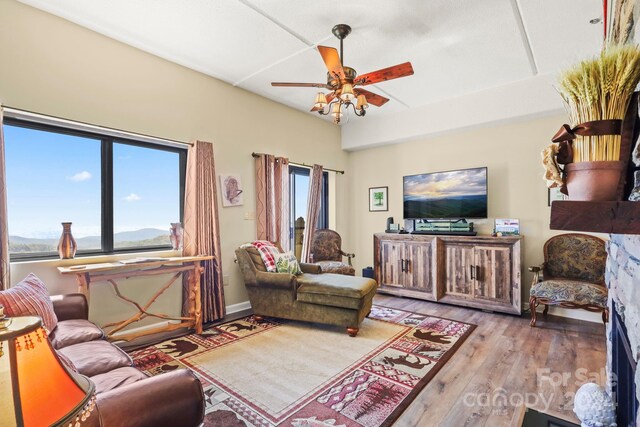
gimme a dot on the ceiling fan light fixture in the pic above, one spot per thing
(362, 103)
(347, 92)
(336, 110)
(321, 101)
(344, 83)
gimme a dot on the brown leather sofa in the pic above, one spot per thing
(125, 397)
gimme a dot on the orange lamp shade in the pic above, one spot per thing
(41, 391)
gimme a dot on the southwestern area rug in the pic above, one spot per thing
(283, 373)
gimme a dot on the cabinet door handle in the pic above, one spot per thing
(473, 277)
(406, 265)
(478, 272)
(402, 265)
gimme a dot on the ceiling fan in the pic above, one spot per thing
(342, 82)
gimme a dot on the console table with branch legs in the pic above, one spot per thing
(112, 272)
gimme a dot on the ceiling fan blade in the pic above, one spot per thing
(397, 71)
(372, 98)
(287, 84)
(332, 60)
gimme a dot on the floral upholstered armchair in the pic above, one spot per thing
(572, 275)
(326, 248)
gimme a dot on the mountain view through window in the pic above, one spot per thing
(55, 177)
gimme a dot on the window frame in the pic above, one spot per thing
(106, 186)
(323, 219)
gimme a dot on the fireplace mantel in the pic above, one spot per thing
(596, 217)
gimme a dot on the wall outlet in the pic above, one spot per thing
(250, 215)
(226, 280)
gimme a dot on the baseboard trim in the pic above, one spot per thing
(241, 306)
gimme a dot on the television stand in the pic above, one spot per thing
(482, 272)
(445, 233)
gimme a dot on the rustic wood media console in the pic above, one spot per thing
(480, 271)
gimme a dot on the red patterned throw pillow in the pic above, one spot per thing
(268, 252)
(30, 297)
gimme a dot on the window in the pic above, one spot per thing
(119, 194)
(299, 194)
(145, 199)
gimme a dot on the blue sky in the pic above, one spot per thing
(53, 178)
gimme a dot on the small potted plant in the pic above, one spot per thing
(596, 94)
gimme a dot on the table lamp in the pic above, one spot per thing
(37, 389)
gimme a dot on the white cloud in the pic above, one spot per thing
(131, 197)
(80, 176)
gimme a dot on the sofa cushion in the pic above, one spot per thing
(66, 362)
(30, 297)
(96, 357)
(70, 332)
(116, 378)
(573, 291)
(334, 290)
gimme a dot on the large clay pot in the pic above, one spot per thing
(67, 245)
(594, 181)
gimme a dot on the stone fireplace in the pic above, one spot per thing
(623, 331)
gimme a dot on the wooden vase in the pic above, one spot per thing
(67, 246)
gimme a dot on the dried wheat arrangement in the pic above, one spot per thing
(600, 89)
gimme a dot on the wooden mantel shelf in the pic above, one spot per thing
(599, 217)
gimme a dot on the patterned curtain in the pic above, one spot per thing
(201, 229)
(272, 199)
(313, 209)
(4, 227)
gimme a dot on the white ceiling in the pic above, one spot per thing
(456, 47)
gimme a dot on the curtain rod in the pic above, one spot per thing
(90, 126)
(304, 164)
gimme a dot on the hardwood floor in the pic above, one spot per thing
(504, 363)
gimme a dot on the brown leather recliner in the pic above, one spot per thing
(125, 397)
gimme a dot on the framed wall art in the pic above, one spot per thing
(378, 199)
(507, 226)
(231, 189)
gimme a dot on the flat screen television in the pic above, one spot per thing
(446, 195)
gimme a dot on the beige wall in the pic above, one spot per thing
(53, 67)
(516, 189)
